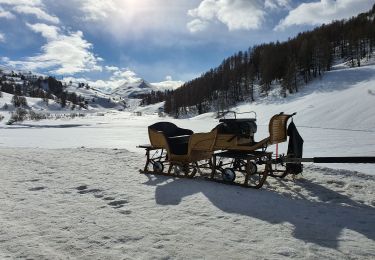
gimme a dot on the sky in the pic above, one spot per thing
(109, 42)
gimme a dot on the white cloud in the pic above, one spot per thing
(197, 25)
(276, 4)
(168, 84)
(22, 2)
(132, 20)
(6, 14)
(125, 75)
(118, 78)
(64, 53)
(235, 14)
(104, 85)
(28, 7)
(49, 32)
(2, 37)
(207, 9)
(324, 11)
(112, 68)
(98, 10)
(37, 11)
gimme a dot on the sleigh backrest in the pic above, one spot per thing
(278, 128)
(161, 131)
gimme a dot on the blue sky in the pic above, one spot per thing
(108, 42)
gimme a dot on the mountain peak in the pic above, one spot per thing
(132, 89)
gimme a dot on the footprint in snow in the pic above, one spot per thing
(89, 191)
(356, 186)
(37, 188)
(125, 212)
(117, 203)
(109, 198)
(46, 173)
(337, 183)
(83, 190)
(82, 187)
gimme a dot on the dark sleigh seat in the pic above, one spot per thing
(177, 138)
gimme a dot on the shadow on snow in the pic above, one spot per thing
(315, 222)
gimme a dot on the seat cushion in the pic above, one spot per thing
(178, 144)
(169, 129)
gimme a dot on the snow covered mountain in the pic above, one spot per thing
(93, 95)
(131, 90)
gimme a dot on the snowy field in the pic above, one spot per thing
(93, 204)
(71, 187)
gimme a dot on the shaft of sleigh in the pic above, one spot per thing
(350, 159)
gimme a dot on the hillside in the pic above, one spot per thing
(342, 99)
(72, 94)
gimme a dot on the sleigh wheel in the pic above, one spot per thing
(189, 171)
(158, 167)
(255, 179)
(252, 168)
(185, 170)
(228, 175)
(238, 164)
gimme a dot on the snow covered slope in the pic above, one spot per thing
(97, 99)
(342, 99)
(36, 104)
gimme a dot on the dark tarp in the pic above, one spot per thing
(295, 149)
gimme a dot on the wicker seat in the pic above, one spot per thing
(182, 145)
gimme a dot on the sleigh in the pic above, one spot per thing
(219, 155)
(229, 153)
(182, 150)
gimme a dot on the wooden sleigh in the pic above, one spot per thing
(220, 155)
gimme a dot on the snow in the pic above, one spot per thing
(93, 204)
(36, 104)
(335, 116)
(71, 187)
(95, 98)
(133, 89)
(150, 109)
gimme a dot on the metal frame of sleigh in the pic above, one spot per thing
(229, 153)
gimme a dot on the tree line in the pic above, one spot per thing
(152, 97)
